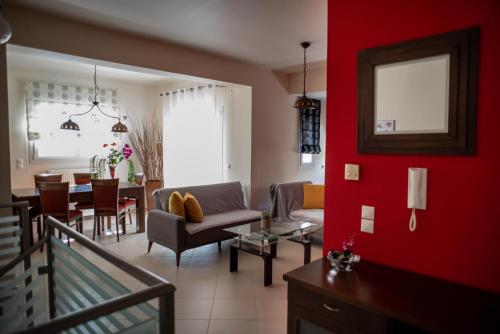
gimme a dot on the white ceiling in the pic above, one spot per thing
(264, 32)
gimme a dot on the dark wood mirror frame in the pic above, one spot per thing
(462, 47)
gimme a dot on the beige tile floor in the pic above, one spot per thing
(209, 298)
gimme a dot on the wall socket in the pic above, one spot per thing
(367, 226)
(368, 212)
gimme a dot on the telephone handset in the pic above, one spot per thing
(417, 193)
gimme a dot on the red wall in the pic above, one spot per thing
(458, 236)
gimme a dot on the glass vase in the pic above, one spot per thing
(131, 172)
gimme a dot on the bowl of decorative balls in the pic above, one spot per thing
(343, 260)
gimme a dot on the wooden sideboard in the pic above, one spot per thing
(379, 299)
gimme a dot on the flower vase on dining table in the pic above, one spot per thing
(112, 170)
(131, 172)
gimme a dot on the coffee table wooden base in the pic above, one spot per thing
(267, 257)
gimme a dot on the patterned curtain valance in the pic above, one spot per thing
(310, 129)
(38, 91)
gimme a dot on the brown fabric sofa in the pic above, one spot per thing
(288, 200)
(223, 206)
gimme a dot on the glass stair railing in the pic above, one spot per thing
(63, 291)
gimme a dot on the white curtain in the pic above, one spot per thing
(193, 136)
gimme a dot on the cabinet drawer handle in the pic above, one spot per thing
(331, 308)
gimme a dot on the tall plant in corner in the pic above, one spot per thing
(146, 137)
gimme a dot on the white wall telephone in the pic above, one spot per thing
(417, 193)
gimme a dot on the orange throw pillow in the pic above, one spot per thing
(194, 212)
(314, 196)
(176, 204)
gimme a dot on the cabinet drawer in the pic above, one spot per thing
(334, 309)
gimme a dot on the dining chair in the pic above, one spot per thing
(35, 212)
(130, 203)
(83, 179)
(54, 201)
(47, 177)
(105, 194)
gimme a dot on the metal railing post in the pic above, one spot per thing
(50, 275)
(166, 314)
(25, 245)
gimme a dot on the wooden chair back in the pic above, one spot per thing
(47, 178)
(54, 199)
(105, 195)
(81, 178)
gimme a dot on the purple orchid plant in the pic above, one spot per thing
(127, 151)
(347, 249)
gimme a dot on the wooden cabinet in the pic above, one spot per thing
(379, 299)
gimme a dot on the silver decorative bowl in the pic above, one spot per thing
(342, 264)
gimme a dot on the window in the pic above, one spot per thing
(49, 105)
(306, 160)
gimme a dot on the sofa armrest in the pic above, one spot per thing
(166, 228)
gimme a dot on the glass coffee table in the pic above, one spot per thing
(254, 239)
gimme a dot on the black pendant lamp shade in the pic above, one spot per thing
(70, 125)
(119, 127)
(303, 102)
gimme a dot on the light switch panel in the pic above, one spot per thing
(367, 226)
(351, 172)
(368, 212)
(19, 163)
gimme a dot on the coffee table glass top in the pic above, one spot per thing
(280, 229)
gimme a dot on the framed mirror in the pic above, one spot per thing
(419, 97)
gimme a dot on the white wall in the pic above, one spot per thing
(135, 99)
(237, 136)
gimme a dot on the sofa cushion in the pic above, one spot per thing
(176, 204)
(315, 216)
(194, 213)
(220, 219)
(213, 198)
(314, 196)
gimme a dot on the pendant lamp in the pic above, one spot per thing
(303, 102)
(119, 127)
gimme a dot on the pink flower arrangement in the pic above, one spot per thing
(127, 151)
(348, 244)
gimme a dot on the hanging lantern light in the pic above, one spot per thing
(303, 102)
(119, 127)
(70, 125)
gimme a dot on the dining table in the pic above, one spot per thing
(83, 193)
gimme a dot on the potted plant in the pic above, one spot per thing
(146, 137)
(265, 217)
